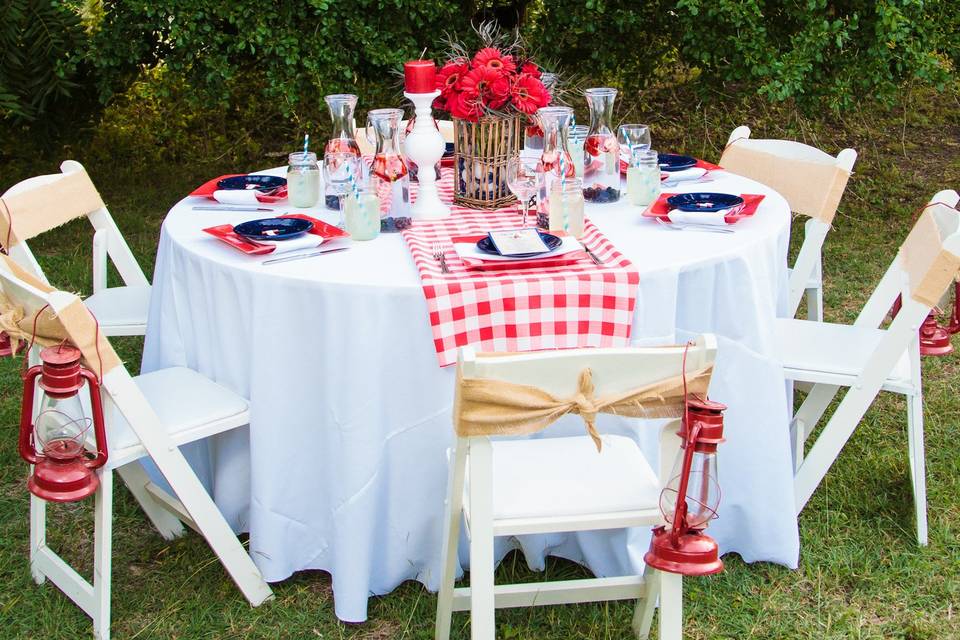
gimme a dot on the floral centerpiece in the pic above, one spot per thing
(489, 95)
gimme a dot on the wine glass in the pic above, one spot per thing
(523, 180)
(630, 137)
(338, 166)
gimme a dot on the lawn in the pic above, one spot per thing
(861, 573)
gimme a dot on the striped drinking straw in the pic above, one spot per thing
(563, 190)
(353, 182)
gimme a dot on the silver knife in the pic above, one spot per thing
(229, 207)
(300, 256)
(597, 261)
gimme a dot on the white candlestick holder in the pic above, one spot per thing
(425, 146)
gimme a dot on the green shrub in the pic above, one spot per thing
(820, 52)
(42, 50)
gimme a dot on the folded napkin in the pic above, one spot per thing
(236, 196)
(306, 241)
(693, 173)
(702, 217)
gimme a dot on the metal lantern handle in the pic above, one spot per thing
(680, 512)
(28, 450)
(99, 429)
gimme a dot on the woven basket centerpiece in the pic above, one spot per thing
(481, 152)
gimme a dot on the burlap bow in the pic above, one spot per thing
(73, 324)
(483, 406)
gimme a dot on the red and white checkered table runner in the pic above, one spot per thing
(574, 305)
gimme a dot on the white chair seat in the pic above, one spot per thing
(834, 353)
(189, 406)
(558, 477)
(120, 307)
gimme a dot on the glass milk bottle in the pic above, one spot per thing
(362, 215)
(389, 172)
(555, 122)
(343, 139)
(566, 206)
(643, 177)
(601, 159)
(303, 179)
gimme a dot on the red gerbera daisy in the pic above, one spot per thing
(450, 75)
(499, 92)
(494, 60)
(531, 69)
(466, 105)
(529, 94)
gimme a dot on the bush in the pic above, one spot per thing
(42, 49)
(820, 52)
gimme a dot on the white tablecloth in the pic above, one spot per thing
(345, 466)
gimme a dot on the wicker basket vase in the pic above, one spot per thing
(481, 152)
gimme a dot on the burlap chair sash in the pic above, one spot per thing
(39, 209)
(74, 324)
(486, 407)
(811, 188)
(930, 268)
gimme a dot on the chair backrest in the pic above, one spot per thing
(614, 372)
(925, 266)
(811, 180)
(40, 204)
(31, 309)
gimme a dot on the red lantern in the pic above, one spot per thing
(934, 339)
(954, 326)
(54, 443)
(691, 497)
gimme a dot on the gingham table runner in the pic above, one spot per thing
(577, 305)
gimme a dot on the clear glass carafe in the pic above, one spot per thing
(601, 158)
(343, 138)
(555, 122)
(390, 173)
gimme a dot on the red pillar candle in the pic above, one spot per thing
(420, 76)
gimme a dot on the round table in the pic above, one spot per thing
(344, 465)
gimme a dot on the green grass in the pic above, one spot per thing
(861, 573)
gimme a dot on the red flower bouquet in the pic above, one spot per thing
(490, 83)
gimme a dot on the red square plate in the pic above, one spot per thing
(225, 233)
(751, 201)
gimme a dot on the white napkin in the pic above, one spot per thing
(469, 252)
(306, 241)
(693, 173)
(698, 217)
(236, 196)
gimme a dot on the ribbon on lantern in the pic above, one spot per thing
(484, 406)
(41, 325)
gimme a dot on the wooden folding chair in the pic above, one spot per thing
(146, 416)
(510, 487)
(42, 203)
(812, 182)
(866, 359)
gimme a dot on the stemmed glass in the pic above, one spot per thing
(523, 180)
(630, 137)
(337, 167)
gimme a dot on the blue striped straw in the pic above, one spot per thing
(563, 189)
(306, 144)
(353, 182)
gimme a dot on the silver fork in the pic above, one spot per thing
(439, 256)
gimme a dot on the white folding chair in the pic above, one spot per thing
(867, 359)
(146, 416)
(510, 487)
(42, 203)
(812, 182)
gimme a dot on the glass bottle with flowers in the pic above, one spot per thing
(491, 94)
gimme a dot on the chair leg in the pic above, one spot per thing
(451, 535)
(482, 614)
(38, 535)
(815, 303)
(917, 463)
(136, 479)
(671, 606)
(643, 615)
(103, 554)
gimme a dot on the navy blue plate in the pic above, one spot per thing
(264, 184)
(552, 242)
(675, 162)
(270, 229)
(705, 202)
